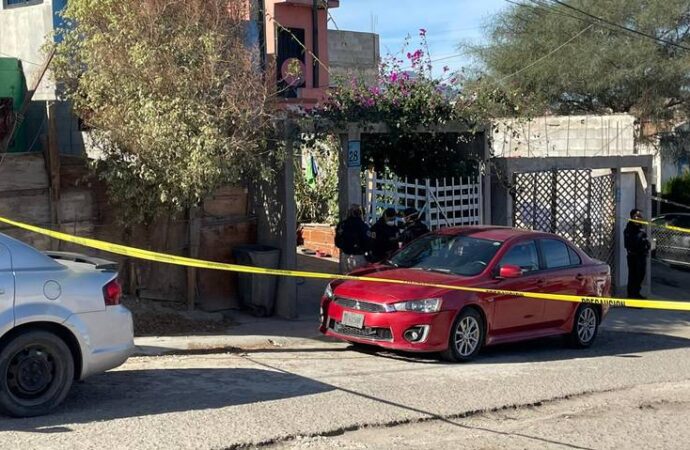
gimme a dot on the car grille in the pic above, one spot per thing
(373, 333)
(360, 305)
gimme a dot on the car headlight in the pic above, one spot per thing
(328, 293)
(427, 305)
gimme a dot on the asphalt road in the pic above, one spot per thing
(634, 382)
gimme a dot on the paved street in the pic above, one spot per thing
(639, 369)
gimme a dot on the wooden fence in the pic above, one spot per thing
(444, 202)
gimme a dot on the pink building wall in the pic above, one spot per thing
(298, 14)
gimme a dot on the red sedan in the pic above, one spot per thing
(459, 323)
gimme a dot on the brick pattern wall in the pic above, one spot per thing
(320, 237)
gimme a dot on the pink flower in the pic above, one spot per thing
(422, 32)
(394, 77)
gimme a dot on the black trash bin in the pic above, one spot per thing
(257, 292)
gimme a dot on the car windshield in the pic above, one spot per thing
(459, 255)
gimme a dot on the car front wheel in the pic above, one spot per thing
(36, 373)
(466, 337)
(585, 326)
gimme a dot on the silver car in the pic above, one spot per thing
(672, 247)
(60, 320)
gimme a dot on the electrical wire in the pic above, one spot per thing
(20, 59)
(622, 27)
(532, 64)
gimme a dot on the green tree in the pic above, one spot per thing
(569, 62)
(678, 189)
(174, 94)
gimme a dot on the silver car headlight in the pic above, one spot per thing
(328, 293)
(427, 305)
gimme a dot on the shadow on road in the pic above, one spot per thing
(608, 343)
(136, 393)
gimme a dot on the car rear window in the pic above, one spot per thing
(556, 253)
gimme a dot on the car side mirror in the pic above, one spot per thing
(509, 271)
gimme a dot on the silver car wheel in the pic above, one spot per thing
(467, 336)
(586, 325)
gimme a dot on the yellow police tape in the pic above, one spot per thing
(656, 225)
(192, 262)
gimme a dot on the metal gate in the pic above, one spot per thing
(578, 205)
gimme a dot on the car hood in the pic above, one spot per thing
(383, 292)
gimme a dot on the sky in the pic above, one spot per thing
(448, 22)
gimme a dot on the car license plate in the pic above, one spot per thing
(353, 319)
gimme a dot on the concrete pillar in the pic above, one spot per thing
(626, 198)
(276, 210)
(643, 202)
(286, 297)
(349, 175)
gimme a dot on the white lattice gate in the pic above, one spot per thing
(444, 202)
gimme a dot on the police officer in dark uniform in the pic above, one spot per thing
(637, 246)
(385, 235)
(352, 238)
(414, 227)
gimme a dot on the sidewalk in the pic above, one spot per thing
(251, 333)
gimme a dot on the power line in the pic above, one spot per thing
(545, 8)
(20, 59)
(546, 55)
(622, 27)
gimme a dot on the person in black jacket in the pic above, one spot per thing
(385, 235)
(352, 238)
(414, 227)
(637, 246)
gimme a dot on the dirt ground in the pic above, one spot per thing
(153, 318)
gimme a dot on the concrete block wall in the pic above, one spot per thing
(353, 53)
(586, 135)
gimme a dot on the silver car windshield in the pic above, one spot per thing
(459, 255)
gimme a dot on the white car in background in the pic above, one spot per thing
(60, 321)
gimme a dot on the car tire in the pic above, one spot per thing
(466, 337)
(36, 374)
(585, 326)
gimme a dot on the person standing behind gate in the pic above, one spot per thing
(385, 234)
(637, 246)
(414, 227)
(352, 238)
